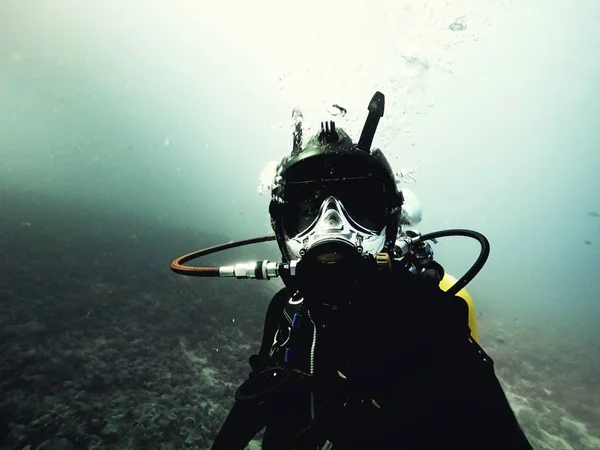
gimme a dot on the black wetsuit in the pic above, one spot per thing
(412, 376)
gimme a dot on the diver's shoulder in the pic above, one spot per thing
(417, 292)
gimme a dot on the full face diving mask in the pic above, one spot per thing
(333, 218)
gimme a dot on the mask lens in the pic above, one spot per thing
(298, 217)
(303, 202)
(363, 198)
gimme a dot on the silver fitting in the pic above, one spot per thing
(293, 264)
(260, 270)
(270, 270)
(403, 246)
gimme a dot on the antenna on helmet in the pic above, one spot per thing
(376, 107)
(328, 132)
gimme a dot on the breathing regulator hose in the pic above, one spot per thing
(177, 265)
(479, 263)
(266, 269)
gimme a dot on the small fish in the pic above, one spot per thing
(594, 214)
(500, 341)
(587, 242)
(514, 319)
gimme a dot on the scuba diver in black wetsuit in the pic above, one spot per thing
(362, 349)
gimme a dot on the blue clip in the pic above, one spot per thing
(288, 355)
(296, 320)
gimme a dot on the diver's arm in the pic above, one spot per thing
(493, 418)
(449, 396)
(471, 376)
(247, 418)
(272, 321)
(243, 422)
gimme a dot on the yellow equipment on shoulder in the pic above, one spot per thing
(446, 283)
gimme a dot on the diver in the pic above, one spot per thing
(362, 349)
